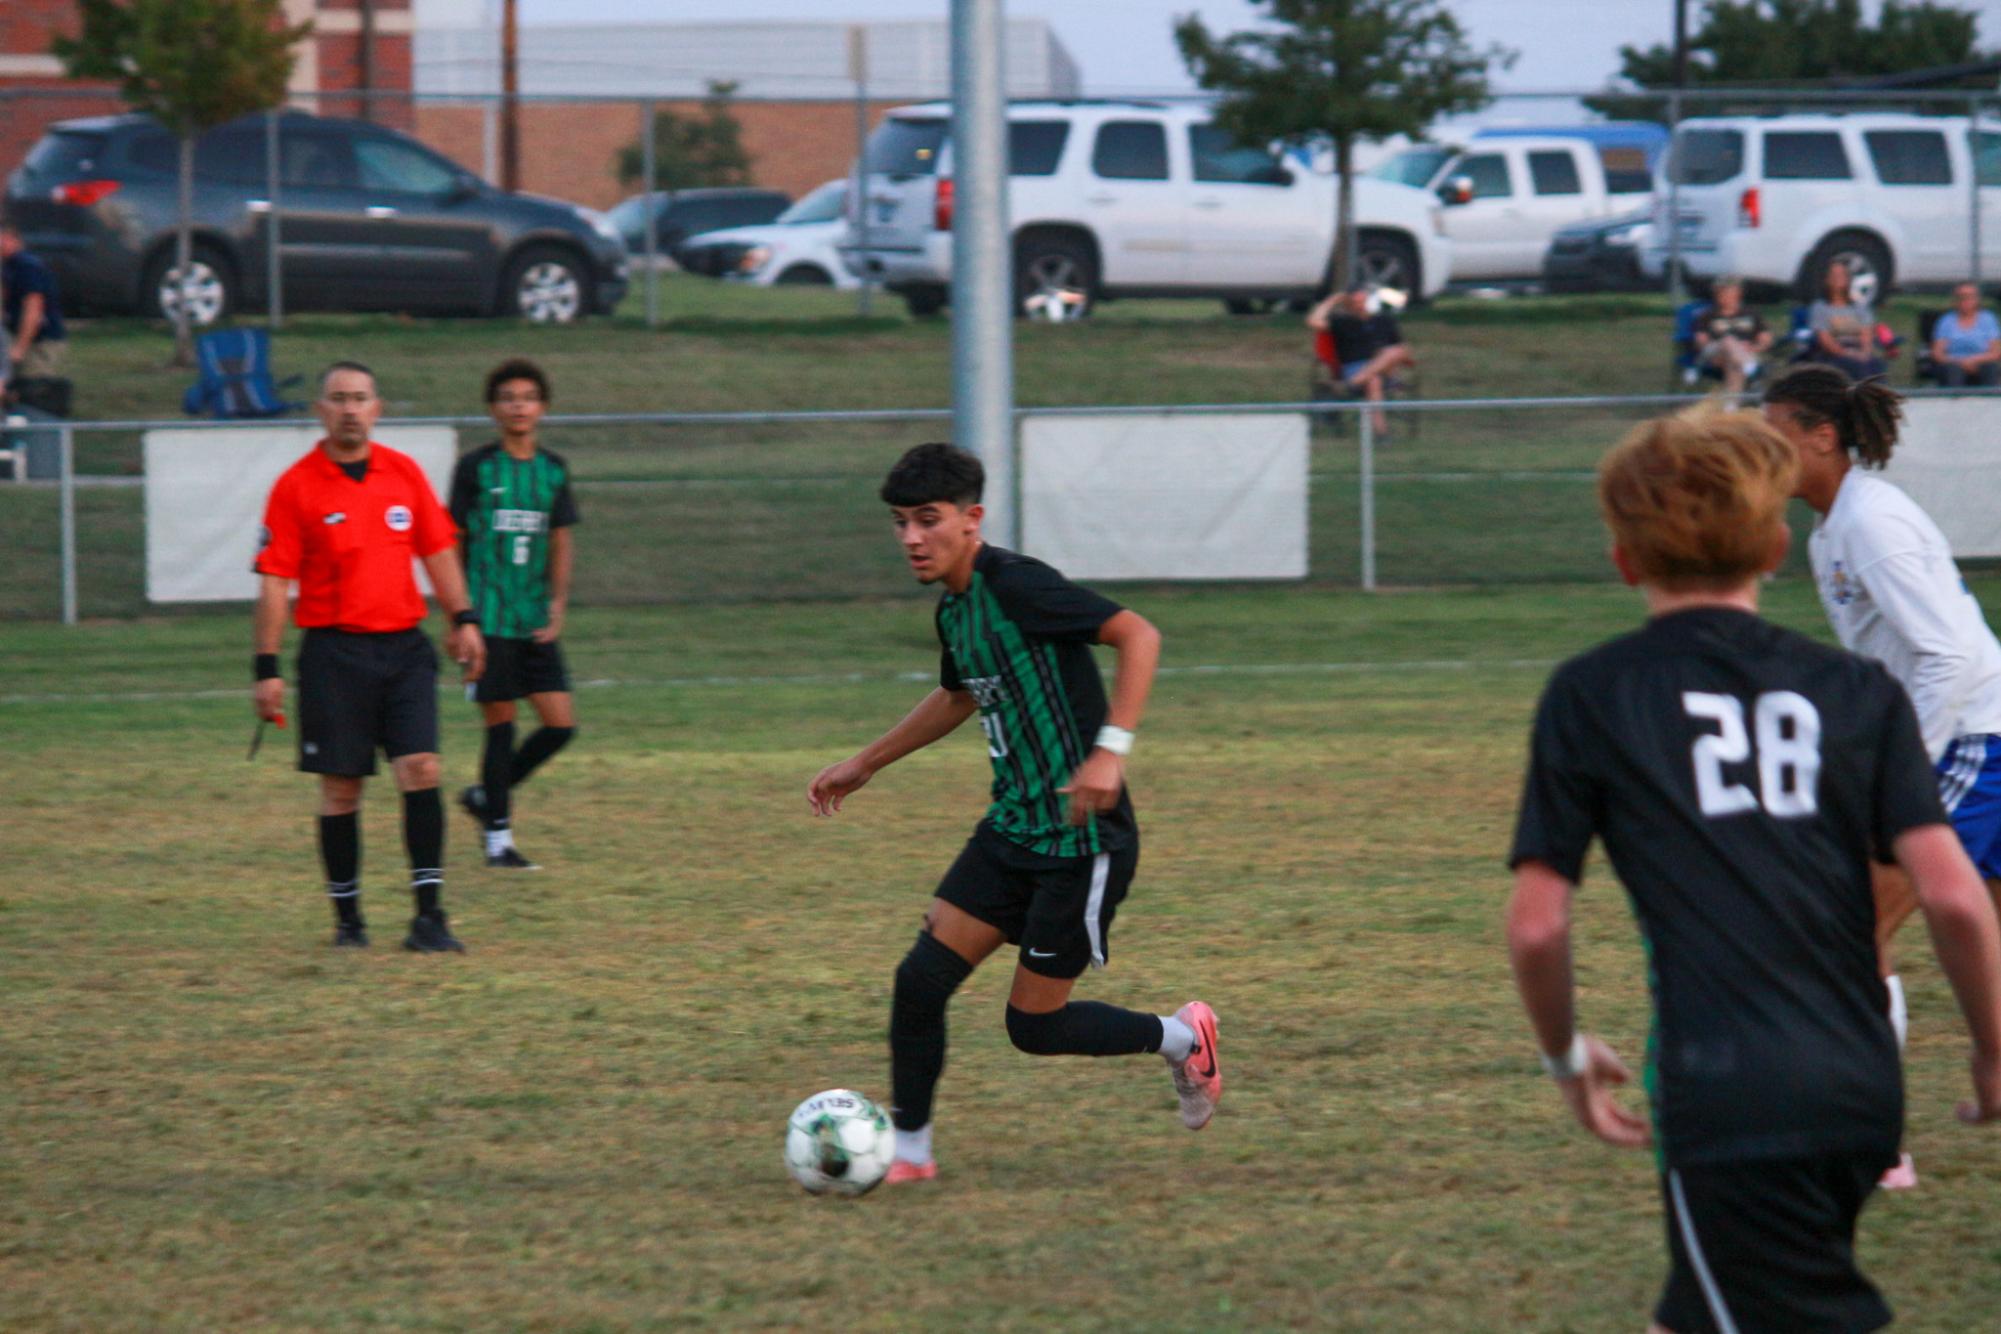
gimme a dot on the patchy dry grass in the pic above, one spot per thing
(213, 1121)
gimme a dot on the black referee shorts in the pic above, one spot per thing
(1058, 910)
(361, 692)
(518, 668)
(1768, 1247)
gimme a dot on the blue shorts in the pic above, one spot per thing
(1969, 783)
(1350, 369)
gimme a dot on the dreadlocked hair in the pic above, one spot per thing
(1865, 415)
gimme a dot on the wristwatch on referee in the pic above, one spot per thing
(465, 616)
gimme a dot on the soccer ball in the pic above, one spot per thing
(838, 1143)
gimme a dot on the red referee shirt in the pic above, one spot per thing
(349, 543)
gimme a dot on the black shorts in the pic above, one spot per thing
(1768, 1247)
(358, 692)
(1058, 911)
(518, 668)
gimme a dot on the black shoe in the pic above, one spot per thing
(350, 935)
(429, 934)
(510, 859)
(473, 801)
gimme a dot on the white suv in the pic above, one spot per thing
(1777, 199)
(1116, 199)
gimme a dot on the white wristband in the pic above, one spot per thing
(1571, 1064)
(1115, 739)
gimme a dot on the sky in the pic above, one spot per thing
(1126, 47)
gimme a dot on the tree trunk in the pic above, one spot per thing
(184, 343)
(1344, 213)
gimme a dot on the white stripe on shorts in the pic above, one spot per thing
(1711, 1294)
(1969, 757)
(1101, 870)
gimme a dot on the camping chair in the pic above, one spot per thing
(1325, 385)
(1683, 370)
(236, 378)
(1923, 369)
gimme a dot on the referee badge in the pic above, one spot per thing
(398, 518)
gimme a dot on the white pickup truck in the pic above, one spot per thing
(1507, 195)
(1131, 199)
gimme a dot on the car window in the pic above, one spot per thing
(1489, 174)
(1413, 166)
(1909, 157)
(1034, 147)
(749, 211)
(1554, 173)
(688, 216)
(1626, 171)
(1219, 157)
(65, 153)
(1986, 156)
(387, 164)
(1131, 150)
(1706, 157)
(901, 146)
(316, 161)
(1805, 155)
(821, 204)
(232, 155)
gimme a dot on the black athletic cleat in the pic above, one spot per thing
(350, 935)
(473, 801)
(430, 934)
(510, 859)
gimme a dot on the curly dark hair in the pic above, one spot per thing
(1865, 415)
(930, 473)
(516, 368)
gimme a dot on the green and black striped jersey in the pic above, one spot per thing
(1018, 640)
(505, 509)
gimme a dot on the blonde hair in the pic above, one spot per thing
(1696, 501)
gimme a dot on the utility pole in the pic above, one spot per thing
(1680, 44)
(366, 58)
(510, 91)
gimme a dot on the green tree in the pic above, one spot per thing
(1788, 43)
(1340, 71)
(191, 65)
(692, 150)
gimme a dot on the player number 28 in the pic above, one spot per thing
(1788, 752)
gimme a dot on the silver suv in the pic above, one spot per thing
(1132, 199)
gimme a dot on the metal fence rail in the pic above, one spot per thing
(693, 506)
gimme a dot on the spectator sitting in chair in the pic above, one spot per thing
(1729, 339)
(1367, 349)
(1843, 330)
(30, 311)
(1966, 342)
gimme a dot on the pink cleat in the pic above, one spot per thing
(1904, 1176)
(1198, 1081)
(901, 1172)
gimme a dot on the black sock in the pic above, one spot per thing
(424, 837)
(340, 853)
(1084, 1028)
(496, 768)
(925, 981)
(545, 742)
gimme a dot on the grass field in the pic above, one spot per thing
(215, 1122)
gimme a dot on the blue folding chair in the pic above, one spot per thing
(236, 379)
(1684, 369)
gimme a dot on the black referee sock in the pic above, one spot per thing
(1084, 1028)
(340, 854)
(424, 837)
(496, 773)
(545, 742)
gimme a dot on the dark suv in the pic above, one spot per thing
(680, 214)
(368, 219)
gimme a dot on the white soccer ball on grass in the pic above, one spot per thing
(838, 1143)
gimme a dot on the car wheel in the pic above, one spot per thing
(805, 275)
(545, 287)
(924, 302)
(1055, 279)
(1387, 261)
(1869, 267)
(1241, 305)
(211, 286)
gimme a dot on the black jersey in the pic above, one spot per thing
(1741, 776)
(1019, 640)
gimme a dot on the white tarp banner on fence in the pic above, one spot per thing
(1948, 459)
(205, 493)
(1166, 497)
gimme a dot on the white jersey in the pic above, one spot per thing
(1892, 592)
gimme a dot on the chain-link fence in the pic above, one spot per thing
(771, 507)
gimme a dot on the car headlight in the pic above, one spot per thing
(602, 225)
(754, 259)
(1630, 234)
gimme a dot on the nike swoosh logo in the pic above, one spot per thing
(1207, 1055)
(1042, 954)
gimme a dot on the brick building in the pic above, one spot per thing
(333, 66)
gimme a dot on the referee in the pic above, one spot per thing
(345, 522)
